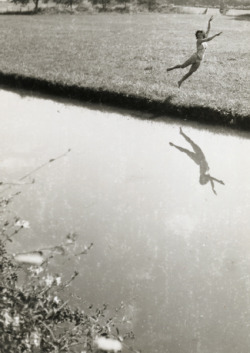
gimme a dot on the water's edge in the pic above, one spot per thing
(100, 96)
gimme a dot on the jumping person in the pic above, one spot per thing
(196, 59)
(199, 158)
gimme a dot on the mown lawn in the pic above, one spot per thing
(114, 52)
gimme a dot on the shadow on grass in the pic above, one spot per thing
(106, 100)
(167, 103)
(245, 17)
(17, 13)
(94, 99)
(94, 105)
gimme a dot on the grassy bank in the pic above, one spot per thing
(125, 57)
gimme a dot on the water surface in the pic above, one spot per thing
(173, 251)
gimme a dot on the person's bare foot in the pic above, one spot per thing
(179, 84)
(171, 144)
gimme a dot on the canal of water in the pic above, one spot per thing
(169, 222)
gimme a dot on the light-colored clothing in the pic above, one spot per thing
(197, 57)
(201, 48)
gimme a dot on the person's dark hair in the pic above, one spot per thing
(200, 31)
(204, 179)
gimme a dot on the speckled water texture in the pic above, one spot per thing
(173, 251)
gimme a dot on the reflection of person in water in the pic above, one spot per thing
(199, 158)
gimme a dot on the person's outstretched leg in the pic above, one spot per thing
(189, 61)
(200, 158)
(184, 78)
(195, 147)
(193, 68)
(174, 67)
(188, 139)
(189, 153)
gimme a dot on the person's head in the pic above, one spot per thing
(200, 34)
(204, 179)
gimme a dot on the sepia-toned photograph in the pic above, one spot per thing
(124, 176)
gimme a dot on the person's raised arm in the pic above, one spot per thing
(212, 184)
(218, 181)
(208, 25)
(209, 38)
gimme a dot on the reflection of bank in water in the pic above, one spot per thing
(199, 158)
(223, 7)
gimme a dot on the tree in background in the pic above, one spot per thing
(151, 4)
(68, 3)
(103, 3)
(123, 2)
(21, 2)
(223, 7)
(25, 2)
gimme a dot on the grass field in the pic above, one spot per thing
(129, 54)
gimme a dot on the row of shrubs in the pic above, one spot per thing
(150, 5)
(126, 6)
